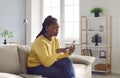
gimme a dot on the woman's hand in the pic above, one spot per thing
(61, 50)
(68, 50)
(71, 49)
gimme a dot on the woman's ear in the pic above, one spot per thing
(46, 28)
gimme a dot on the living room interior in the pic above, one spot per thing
(24, 18)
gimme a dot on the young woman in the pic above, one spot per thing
(46, 58)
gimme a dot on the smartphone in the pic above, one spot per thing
(67, 50)
(73, 42)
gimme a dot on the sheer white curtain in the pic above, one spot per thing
(71, 20)
(67, 13)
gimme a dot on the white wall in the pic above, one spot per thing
(110, 7)
(12, 15)
(33, 18)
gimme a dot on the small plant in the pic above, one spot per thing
(7, 34)
(97, 9)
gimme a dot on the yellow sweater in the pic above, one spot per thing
(43, 52)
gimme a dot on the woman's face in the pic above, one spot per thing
(52, 30)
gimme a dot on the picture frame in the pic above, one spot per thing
(102, 54)
(86, 52)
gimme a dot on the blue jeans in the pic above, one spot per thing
(62, 68)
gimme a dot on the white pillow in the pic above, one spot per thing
(8, 75)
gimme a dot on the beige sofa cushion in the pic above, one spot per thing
(9, 61)
(31, 76)
(8, 75)
(23, 52)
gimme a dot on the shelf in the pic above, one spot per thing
(96, 17)
(98, 58)
(101, 71)
(99, 46)
(97, 31)
(96, 39)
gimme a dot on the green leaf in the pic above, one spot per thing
(97, 9)
(6, 34)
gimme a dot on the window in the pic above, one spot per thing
(67, 13)
(51, 7)
(71, 20)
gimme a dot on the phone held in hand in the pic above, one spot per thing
(73, 43)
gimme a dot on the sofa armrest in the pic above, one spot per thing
(87, 60)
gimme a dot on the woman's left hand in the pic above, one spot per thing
(71, 49)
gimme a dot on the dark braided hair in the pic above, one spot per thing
(47, 22)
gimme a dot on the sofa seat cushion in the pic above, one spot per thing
(30, 76)
(8, 75)
(80, 70)
(9, 60)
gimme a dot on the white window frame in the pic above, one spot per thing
(29, 14)
(62, 29)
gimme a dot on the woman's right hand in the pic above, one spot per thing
(62, 50)
(68, 50)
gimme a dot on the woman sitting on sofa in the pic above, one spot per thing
(46, 58)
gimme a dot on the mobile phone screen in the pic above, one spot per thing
(73, 42)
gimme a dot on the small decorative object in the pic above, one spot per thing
(101, 28)
(96, 11)
(6, 34)
(87, 52)
(96, 39)
(102, 54)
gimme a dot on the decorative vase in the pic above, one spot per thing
(97, 14)
(96, 39)
(5, 41)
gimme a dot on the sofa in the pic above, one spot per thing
(13, 62)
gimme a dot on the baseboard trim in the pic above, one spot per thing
(115, 71)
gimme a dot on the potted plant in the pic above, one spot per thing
(96, 11)
(6, 34)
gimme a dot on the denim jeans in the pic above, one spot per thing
(62, 68)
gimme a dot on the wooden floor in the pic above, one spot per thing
(101, 75)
